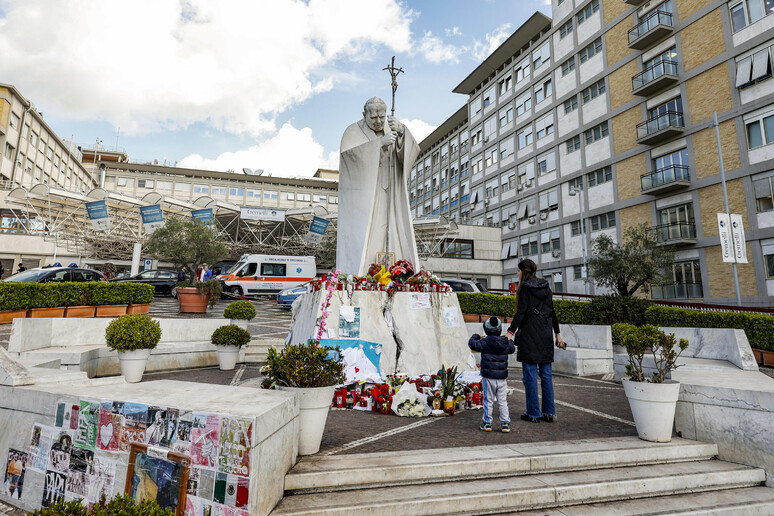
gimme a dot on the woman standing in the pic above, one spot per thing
(534, 325)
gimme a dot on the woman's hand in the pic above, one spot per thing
(560, 342)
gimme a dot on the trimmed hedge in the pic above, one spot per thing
(759, 328)
(23, 296)
(568, 312)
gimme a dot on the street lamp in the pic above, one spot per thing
(577, 190)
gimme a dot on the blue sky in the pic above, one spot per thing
(268, 84)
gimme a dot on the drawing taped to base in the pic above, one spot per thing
(268, 274)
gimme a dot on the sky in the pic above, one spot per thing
(232, 84)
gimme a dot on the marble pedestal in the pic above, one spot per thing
(412, 340)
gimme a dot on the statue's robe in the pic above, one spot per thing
(373, 194)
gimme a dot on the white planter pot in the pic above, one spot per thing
(653, 407)
(227, 357)
(133, 364)
(315, 403)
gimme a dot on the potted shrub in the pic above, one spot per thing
(229, 339)
(133, 336)
(142, 295)
(48, 301)
(196, 297)
(311, 373)
(652, 398)
(240, 311)
(75, 298)
(14, 300)
(111, 299)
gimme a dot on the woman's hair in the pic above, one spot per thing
(528, 270)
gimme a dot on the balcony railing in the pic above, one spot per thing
(652, 28)
(633, 2)
(677, 291)
(660, 127)
(655, 78)
(665, 179)
(680, 233)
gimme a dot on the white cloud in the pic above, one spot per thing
(436, 51)
(146, 65)
(291, 153)
(419, 129)
(482, 49)
(455, 31)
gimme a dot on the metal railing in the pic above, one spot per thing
(677, 291)
(653, 72)
(665, 176)
(660, 122)
(676, 231)
(650, 22)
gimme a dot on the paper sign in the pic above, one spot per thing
(102, 478)
(205, 439)
(737, 231)
(349, 322)
(419, 300)
(452, 316)
(316, 230)
(98, 215)
(13, 483)
(724, 230)
(53, 488)
(262, 214)
(206, 216)
(40, 447)
(152, 218)
(88, 421)
(59, 456)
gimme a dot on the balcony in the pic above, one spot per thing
(634, 2)
(679, 234)
(665, 180)
(655, 26)
(677, 291)
(660, 128)
(655, 78)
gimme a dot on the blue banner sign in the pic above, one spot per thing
(316, 230)
(98, 214)
(205, 216)
(152, 218)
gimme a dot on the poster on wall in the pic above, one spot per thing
(231, 490)
(419, 300)
(53, 488)
(135, 421)
(205, 439)
(349, 322)
(13, 482)
(235, 444)
(59, 457)
(181, 438)
(102, 478)
(40, 446)
(157, 475)
(109, 433)
(201, 482)
(88, 421)
(451, 315)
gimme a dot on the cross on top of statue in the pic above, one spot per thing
(394, 74)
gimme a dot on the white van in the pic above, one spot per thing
(256, 274)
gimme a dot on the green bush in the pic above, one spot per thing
(119, 505)
(649, 340)
(619, 331)
(612, 309)
(759, 328)
(142, 294)
(568, 312)
(304, 365)
(22, 296)
(572, 312)
(242, 310)
(230, 335)
(132, 332)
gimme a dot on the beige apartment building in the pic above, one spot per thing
(608, 108)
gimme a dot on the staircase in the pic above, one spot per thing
(257, 349)
(619, 476)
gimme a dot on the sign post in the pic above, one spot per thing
(98, 214)
(726, 219)
(152, 218)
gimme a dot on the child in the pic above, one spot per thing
(494, 351)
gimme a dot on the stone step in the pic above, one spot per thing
(324, 473)
(748, 501)
(257, 350)
(527, 492)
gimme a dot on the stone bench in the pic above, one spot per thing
(79, 345)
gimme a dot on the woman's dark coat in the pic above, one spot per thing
(536, 321)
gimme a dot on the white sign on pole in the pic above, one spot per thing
(726, 245)
(262, 214)
(737, 231)
(147, 264)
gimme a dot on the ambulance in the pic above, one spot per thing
(258, 274)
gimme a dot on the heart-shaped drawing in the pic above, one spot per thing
(105, 434)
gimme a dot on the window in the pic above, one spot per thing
(575, 184)
(506, 148)
(490, 127)
(525, 137)
(201, 189)
(505, 84)
(565, 29)
(50, 153)
(544, 126)
(524, 103)
(8, 151)
(548, 200)
(756, 67)
(571, 104)
(182, 187)
(234, 192)
(489, 96)
(575, 227)
(492, 188)
(476, 135)
(319, 198)
(165, 185)
(593, 91)
(595, 133)
(506, 116)
(543, 91)
(477, 165)
(507, 181)
(14, 121)
(546, 163)
(475, 107)
(685, 282)
(290, 196)
(304, 197)
(145, 183)
(542, 55)
(550, 241)
(568, 66)
(33, 139)
(603, 175)
(591, 50)
(604, 221)
(216, 190)
(573, 144)
(522, 70)
(333, 199)
(760, 130)
(577, 272)
(457, 249)
(673, 106)
(587, 11)
(273, 269)
(125, 182)
(763, 198)
(749, 11)
(529, 245)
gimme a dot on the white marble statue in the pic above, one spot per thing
(374, 213)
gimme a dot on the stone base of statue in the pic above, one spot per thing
(409, 332)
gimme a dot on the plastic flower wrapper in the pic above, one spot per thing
(408, 402)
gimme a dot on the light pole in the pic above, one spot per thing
(584, 273)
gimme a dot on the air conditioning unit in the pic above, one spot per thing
(519, 187)
(543, 215)
(486, 140)
(529, 184)
(486, 202)
(556, 253)
(531, 219)
(511, 225)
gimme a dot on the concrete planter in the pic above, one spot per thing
(653, 408)
(7, 316)
(47, 312)
(191, 301)
(315, 403)
(227, 357)
(80, 311)
(111, 310)
(138, 309)
(133, 364)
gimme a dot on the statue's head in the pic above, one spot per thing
(375, 113)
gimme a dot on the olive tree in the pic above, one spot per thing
(187, 242)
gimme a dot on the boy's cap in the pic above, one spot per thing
(493, 326)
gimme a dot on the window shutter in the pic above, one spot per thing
(760, 66)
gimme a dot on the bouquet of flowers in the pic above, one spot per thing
(408, 402)
(382, 398)
(401, 270)
(411, 408)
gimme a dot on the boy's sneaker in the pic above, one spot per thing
(506, 428)
(525, 417)
(486, 427)
(549, 418)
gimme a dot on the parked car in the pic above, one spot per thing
(286, 297)
(163, 281)
(57, 274)
(221, 267)
(463, 285)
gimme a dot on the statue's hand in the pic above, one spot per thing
(395, 125)
(388, 139)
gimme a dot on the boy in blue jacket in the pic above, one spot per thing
(494, 351)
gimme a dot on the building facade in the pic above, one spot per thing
(608, 109)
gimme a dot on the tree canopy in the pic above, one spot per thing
(187, 242)
(639, 262)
